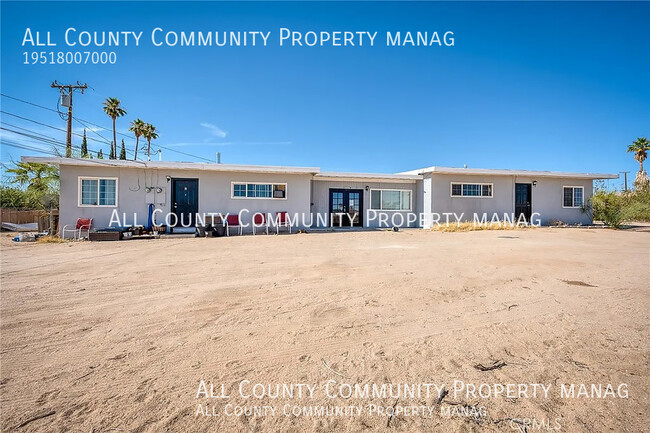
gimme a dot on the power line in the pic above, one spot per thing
(50, 141)
(106, 129)
(30, 103)
(97, 133)
(45, 124)
(28, 130)
(25, 147)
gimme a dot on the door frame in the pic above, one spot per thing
(530, 199)
(346, 199)
(173, 199)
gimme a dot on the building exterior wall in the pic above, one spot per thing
(547, 196)
(320, 200)
(307, 196)
(548, 200)
(215, 194)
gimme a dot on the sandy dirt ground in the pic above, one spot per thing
(117, 336)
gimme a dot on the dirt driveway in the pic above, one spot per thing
(100, 337)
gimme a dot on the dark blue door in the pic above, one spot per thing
(523, 200)
(185, 201)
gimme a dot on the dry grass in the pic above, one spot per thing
(473, 227)
(50, 240)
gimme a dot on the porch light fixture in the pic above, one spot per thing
(169, 178)
(534, 183)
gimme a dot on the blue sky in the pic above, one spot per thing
(552, 86)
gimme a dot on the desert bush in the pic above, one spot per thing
(637, 206)
(50, 240)
(614, 208)
(608, 207)
(471, 227)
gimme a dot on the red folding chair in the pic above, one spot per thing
(81, 225)
(282, 220)
(259, 221)
(233, 221)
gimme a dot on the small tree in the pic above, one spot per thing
(100, 154)
(123, 151)
(112, 155)
(84, 145)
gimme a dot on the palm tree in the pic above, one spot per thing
(38, 177)
(150, 133)
(640, 149)
(113, 109)
(137, 127)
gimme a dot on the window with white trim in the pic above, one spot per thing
(390, 199)
(259, 190)
(573, 196)
(471, 189)
(96, 191)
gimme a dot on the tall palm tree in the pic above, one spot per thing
(150, 133)
(640, 148)
(113, 109)
(137, 127)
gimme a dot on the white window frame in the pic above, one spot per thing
(232, 190)
(451, 188)
(573, 198)
(97, 178)
(391, 189)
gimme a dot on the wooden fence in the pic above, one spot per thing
(41, 217)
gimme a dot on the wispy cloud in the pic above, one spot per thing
(234, 143)
(215, 131)
(80, 129)
(255, 143)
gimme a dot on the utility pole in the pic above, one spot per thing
(66, 100)
(625, 177)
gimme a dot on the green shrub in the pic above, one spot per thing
(637, 206)
(614, 208)
(608, 208)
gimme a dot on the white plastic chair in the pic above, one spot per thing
(81, 225)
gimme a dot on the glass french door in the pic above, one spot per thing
(346, 207)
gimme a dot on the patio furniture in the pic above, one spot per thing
(260, 221)
(81, 225)
(109, 234)
(282, 220)
(233, 221)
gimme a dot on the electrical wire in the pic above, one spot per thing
(51, 141)
(24, 147)
(106, 129)
(46, 125)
